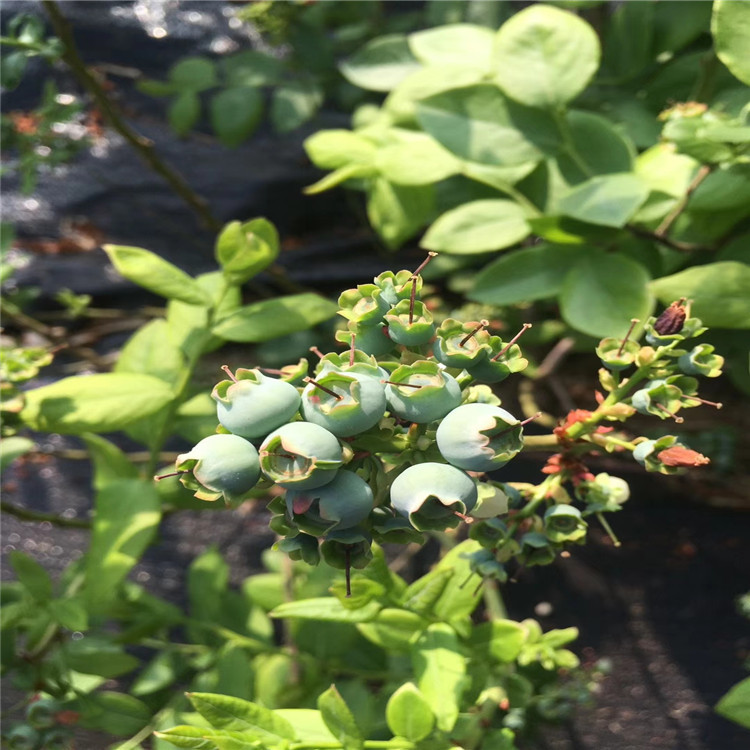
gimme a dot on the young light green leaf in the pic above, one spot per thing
(340, 176)
(524, 275)
(332, 149)
(664, 171)
(12, 448)
(500, 640)
(607, 200)
(720, 292)
(109, 462)
(149, 351)
(225, 712)
(326, 609)
(243, 250)
(453, 44)
(157, 275)
(722, 189)
(33, 577)
(393, 629)
(420, 596)
(251, 68)
(339, 719)
(127, 513)
(381, 64)
(499, 178)
(103, 402)
(69, 613)
(193, 74)
(235, 114)
(440, 671)
(293, 104)
(184, 112)
(307, 723)
(545, 56)
(408, 714)
(461, 594)
(477, 227)
(397, 212)
(730, 26)
(735, 705)
(98, 655)
(418, 162)
(192, 738)
(207, 582)
(602, 292)
(478, 123)
(272, 318)
(158, 674)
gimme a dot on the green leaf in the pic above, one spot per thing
(192, 738)
(408, 714)
(720, 292)
(272, 318)
(184, 112)
(293, 104)
(193, 74)
(12, 448)
(69, 613)
(158, 674)
(225, 712)
(730, 26)
(477, 227)
(307, 723)
(157, 275)
(397, 212)
(479, 124)
(339, 719)
(440, 671)
(607, 200)
(393, 629)
(155, 88)
(735, 705)
(665, 171)
(109, 462)
(381, 64)
(150, 352)
(98, 655)
(251, 68)
(722, 189)
(243, 250)
(332, 149)
(524, 275)
(603, 292)
(208, 576)
(460, 595)
(418, 162)
(339, 176)
(500, 640)
(127, 514)
(420, 596)
(545, 56)
(326, 609)
(235, 114)
(453, 45)
(32, 576)
(114, 713)
(499, 178)
(103, 402)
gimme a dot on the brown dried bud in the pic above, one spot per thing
(678, 455)
(671, 320)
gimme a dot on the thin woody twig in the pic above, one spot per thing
(679, 207)
(25, 514)
(111, 113)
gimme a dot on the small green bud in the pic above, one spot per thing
(300, 547)
(701, 361)
(564, 523)
(347, 548)
(363, 305)
(397, 286)
(659, 399)
(604, 494)
(22, 737)
(484, 564)
(536, 549)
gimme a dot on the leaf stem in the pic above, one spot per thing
(32, 515)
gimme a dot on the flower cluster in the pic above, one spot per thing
(395, 436)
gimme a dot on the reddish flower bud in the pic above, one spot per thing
(678, 455)
(671, 320)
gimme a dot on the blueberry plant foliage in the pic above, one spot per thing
(591, 173)
(396, 438)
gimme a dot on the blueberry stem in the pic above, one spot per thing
(159, 477)
(523, 330)
(229, 373)
(715, 404)
(633, 321)
(664, 409)
(337, 396)
(482, 325)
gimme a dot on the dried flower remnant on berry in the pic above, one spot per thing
(671, 320)
(678, 455)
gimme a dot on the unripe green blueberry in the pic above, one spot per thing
(564, 523)
(340, 504)
(57, 739)
(604, 493)
(300, 547)
(617, 354)
(42, 713)
(372, 339)
(363, 305)
(430, 495)
(462, 345)
(344, 548)
(701, 360)
(344, 403)
(301, 456)
(390, 528)
(254, 404)
(358, 363)
(397, 286)
(502, 360)
(484, 563)
(479, 437)
(410, 325)
(220, 465)
(422, 392)
(22, 737)
(659, 399)
(536, 549)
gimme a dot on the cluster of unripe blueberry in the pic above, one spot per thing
(377, 443)
(394, 437)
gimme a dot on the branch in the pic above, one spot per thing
(684, 247)
(31, 515)
(110, 112)
(671, 217)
